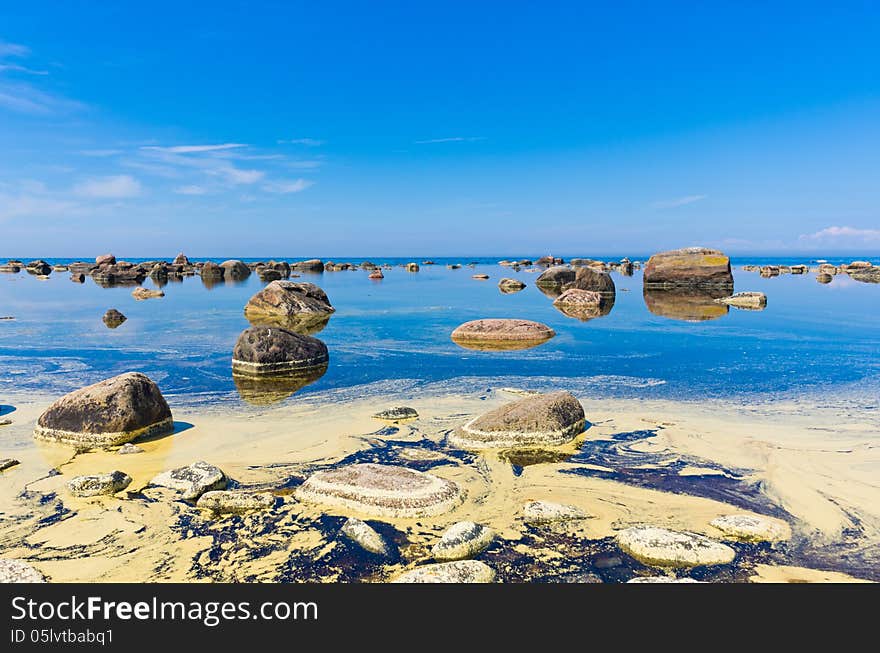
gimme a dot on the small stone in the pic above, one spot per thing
(481, 277)
(129, 448)
(460, 571)
(113, 318)
(397, 414)
(750, 301)
(366, 537)
(18, 571)
(235, 502)
(145, 293)
(543, 512)
(752, 528)
(193, 480)
(661, 547)
(98, 484)
(6, 463)
(463, 540)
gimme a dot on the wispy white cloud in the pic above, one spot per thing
(452, 139)
(15, 68)
(26, 98)
(842, 233)
(237, 175)
(679, 201)
(105, 152)
(190, 149)
(308, 142)
(191, 190)
(31, 206)
(112, 187)
(294, 186)
(8, 49)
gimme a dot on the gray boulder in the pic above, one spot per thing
(193, 480)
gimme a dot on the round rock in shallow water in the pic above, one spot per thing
(113, 318)
(382, 490)
(235, 502)
(463, 540)
(508, 285)
(661, 547)
(752, 528)
(542, 419)
(108, 413)
(273, 351)
(286, 299)
(461, 571)
(750, 301)
(366, 537)
(18, 571)
(98, 484)
(544, 512)
(501, 334)
(193, 480)
(397, 414)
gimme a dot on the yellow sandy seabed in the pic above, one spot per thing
(821, 465)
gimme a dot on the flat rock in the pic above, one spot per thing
(193, 480)
(145, 293)
(541, 419)
(463, 540)
(582, 304)
(129, 448)
(397, 414)
(751, 301)
(18, 571)
(382, 490)
(542, 512)
(312, 265)
(275, 351)
(752, 528)
(6, 463)
(481, 277)
(107, 413)
(366, 537)
(460, 571)
(661, 547)
(501, 334)
(691, 266)
(235, 502)
(97, 484)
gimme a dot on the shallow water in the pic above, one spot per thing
(811, 339)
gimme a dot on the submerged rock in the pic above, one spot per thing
(691, 266)
(113, 318)
(382, 490)
(98, 484)
(752, 528)
(542, 419)
(751, 301)
(460, 571)
(274, 351)
(397, 414)
(543, 512)
(501, 334)
(19, 571)
(107, 413)
(146, 293)
(661, 547)
(6, 463)
(366, 537)
(193, 480)
(463, 540)
(235, 502)
(508, 286)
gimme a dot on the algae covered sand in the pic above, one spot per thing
(673, 465)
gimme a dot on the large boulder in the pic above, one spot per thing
(691, 266)
(211, 271)
(587, 278)
(193, 480)
(556, 277)
(541, 419)
(460, 571)
(274, 351)
(108, 413)
(235, 270)
(381, 490)
(661, 547)
(312, 265)
(298, 306)
(18, 571)
(500, 334)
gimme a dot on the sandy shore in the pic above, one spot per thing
(672, 464)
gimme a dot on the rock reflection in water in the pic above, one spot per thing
(587, 312)
(264, 391)
(689, 304)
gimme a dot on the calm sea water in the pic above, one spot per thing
(811, 339)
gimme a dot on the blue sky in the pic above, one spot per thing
(460, 128)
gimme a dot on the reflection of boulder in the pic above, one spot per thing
(584, 304)
(270, 390)
(688, 304)
(865, 275)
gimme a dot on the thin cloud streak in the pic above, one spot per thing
(8, 49)
(308, 142)
(190, 149)
(833, 233)
(680, 201)
(452, 139)
(286, 187)
(113, 187)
